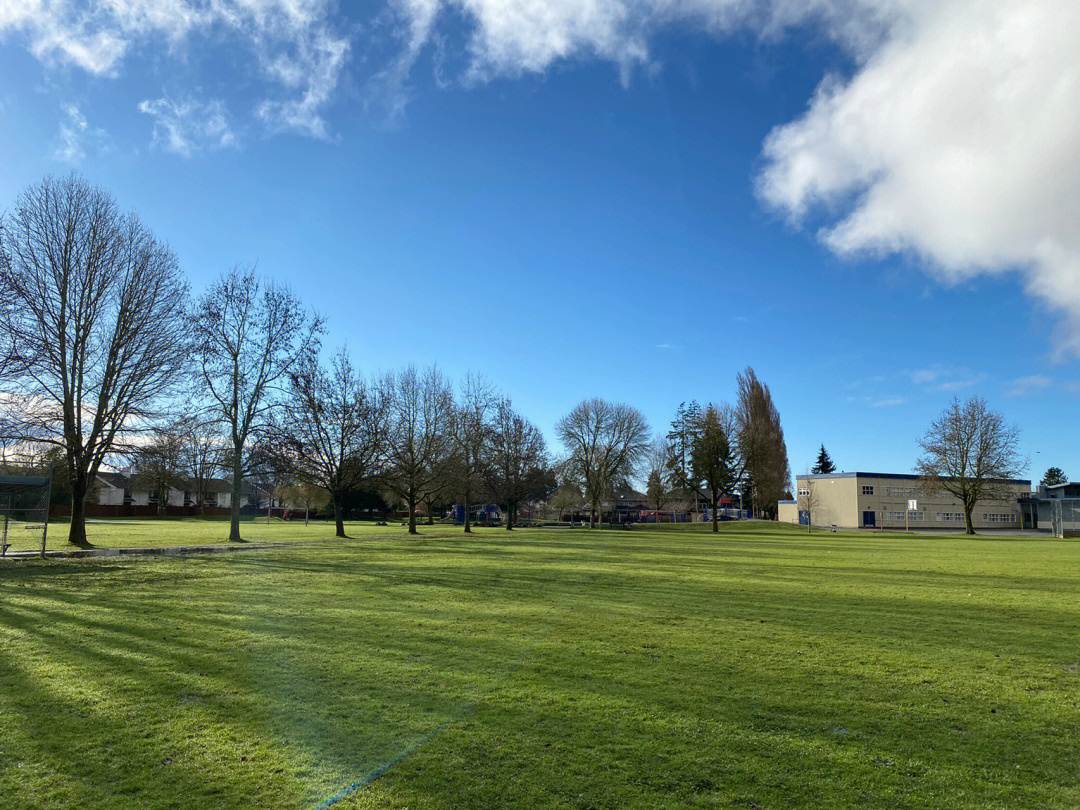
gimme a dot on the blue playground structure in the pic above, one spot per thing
(480, 513)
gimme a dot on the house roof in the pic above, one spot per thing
(119, 480)
(116, 480)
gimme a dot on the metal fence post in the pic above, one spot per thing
(48, 508)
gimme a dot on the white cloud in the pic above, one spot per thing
(1025, 386)
(957, 140)
(313, 67)
(947, 378)
(76, 136)
(72, 129)
(294, 42)
(512, 37)
(185, 127)
(888, 402)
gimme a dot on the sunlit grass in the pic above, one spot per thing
(151, 532)
(570, 668)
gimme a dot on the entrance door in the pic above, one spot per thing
(869, 519)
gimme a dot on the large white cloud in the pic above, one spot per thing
(955, 139)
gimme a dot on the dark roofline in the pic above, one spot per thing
(897, 476)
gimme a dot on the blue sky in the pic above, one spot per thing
(635, 212)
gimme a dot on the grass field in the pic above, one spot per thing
(572, 669)
(150, 532)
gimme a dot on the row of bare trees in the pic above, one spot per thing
(104, 355)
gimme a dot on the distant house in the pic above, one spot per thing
(118, 493)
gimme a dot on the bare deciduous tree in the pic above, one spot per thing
(567, 496)
(250, 334)
(421, 416)
(660, 485)
(970, 452)
(308, 497)
(472, 432)
(93, 325)
(809, 499)
(606, 443)
(202, 456)
(334, 430)
(158, 462)
(517, 462)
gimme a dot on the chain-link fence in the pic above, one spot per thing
(1065, 517)
(24, 509)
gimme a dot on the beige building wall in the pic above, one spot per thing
(787, 512)
(858, 500)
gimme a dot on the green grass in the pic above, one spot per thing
(151, 532)
(760, 668)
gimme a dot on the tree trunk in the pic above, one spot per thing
(968, 528)
(511, 508)
(339, 523)
(77, 531)
(412, 514)
(715, 520)
(234, 516)
(592, 515)
(466, 494)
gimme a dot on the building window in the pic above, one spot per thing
(950, 517)
(867, 490)
(805, 492)
(898, 492)
(127, 497)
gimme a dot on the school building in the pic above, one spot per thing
(851, 500)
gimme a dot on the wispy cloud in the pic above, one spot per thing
(186, 127)
(76, 136)
(888, 402)
(298, 45)
(1026, 386)
(947, 378)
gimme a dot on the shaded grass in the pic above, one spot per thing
(574, 669)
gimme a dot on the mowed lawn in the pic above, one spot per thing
(150, 532)
(758, 669)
